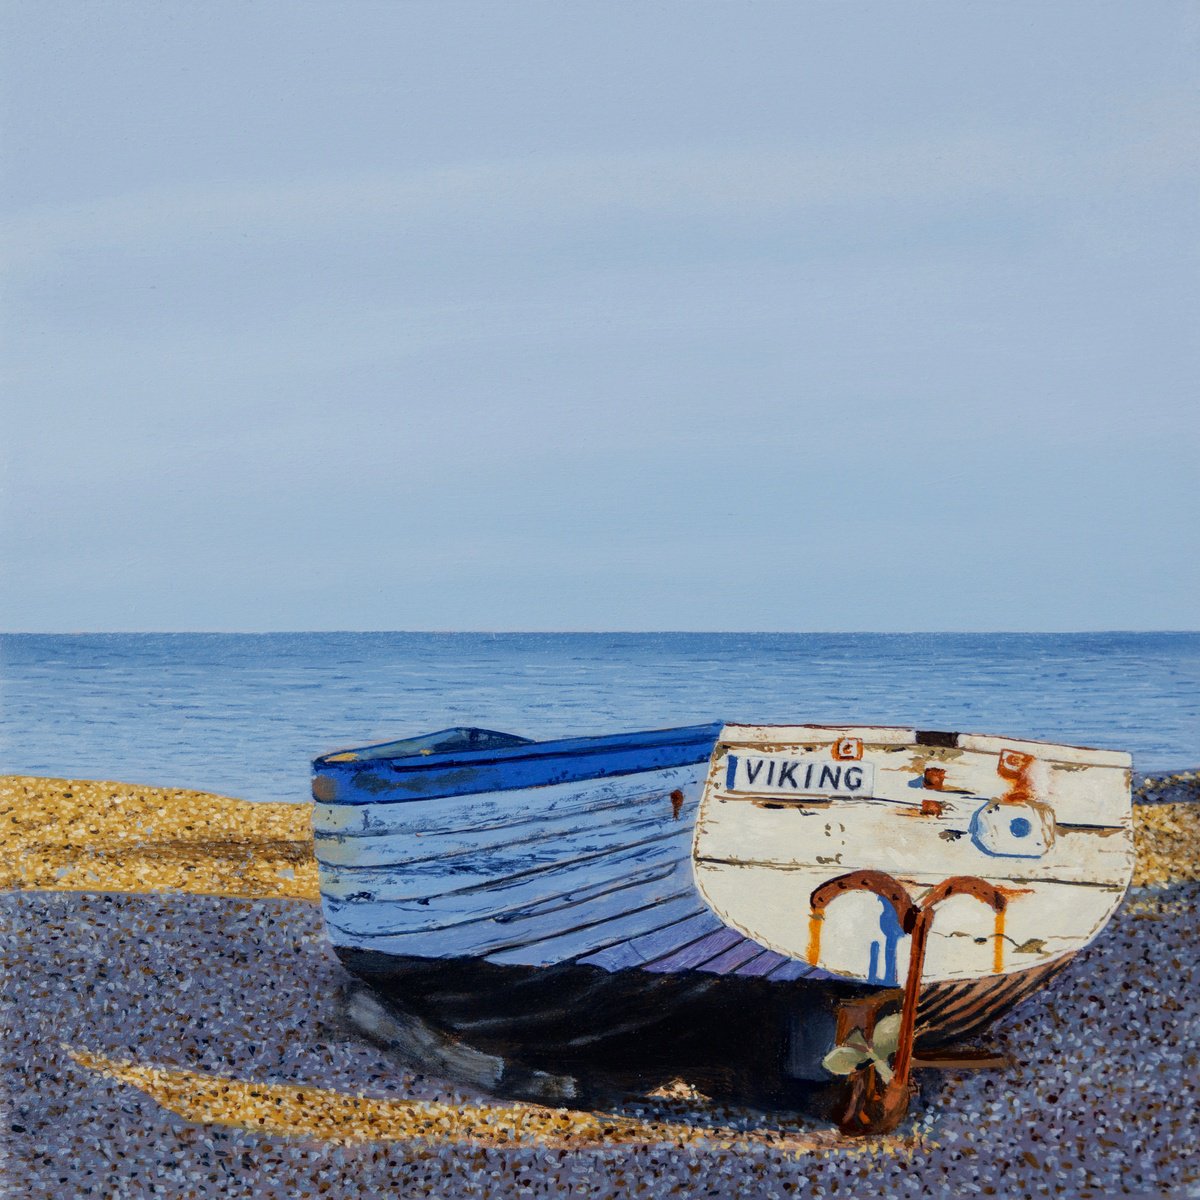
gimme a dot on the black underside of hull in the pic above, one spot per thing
(726, 1034)
(716, 1031)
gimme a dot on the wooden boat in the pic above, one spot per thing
(633, 899)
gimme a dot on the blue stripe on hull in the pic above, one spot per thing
(373, 780)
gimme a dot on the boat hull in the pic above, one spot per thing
(592, 870)
(572, 904)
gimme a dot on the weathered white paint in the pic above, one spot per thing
(1063, 865)
(468, 815)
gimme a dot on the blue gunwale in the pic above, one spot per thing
(377, 779)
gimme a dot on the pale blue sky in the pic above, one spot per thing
(748, 316)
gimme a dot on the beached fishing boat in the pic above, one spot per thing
(635, 897)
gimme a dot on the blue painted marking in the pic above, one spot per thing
(977, 838)
(730, 772)
(889, 926)
(384, 780)
(1020, 827)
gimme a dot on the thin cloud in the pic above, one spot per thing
(1014, 166)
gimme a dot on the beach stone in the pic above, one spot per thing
(1101, 1098)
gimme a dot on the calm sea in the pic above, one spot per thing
(243, 714)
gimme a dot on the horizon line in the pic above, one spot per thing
(583, 632)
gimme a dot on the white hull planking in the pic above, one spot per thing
(529, 875)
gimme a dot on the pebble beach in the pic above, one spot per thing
(173, 1028)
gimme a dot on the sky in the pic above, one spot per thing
(596, 316)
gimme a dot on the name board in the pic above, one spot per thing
(775, 775)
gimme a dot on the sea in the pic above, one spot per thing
(243, 714)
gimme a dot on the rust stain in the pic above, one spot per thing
(966, 885)
(676, 804)
(848, 749)
(998, 952)
(1010, 892)
(882, 884)
(934, 778)
(814, 937)
(931, 807)
(1015, 766)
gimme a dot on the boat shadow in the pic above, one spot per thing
(745, 1047)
